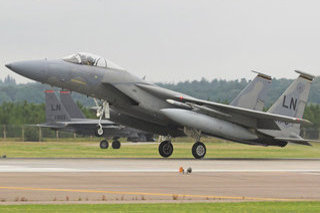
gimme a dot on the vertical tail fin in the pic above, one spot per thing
(293, 101)
(70, 105)
(55, 111)
(253, 96)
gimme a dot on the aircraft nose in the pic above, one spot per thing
(8, 66)
(35, 70)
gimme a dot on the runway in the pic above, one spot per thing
(157, 180)
(157, 165)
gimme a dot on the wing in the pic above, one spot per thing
(89, 123)
(106, 124)
(49, 125)
(122, 96)
(246, 117)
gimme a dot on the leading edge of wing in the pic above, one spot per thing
(221, 108)
(248, 112)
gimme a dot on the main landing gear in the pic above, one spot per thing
(104, 144)
(165, 148)
(198, 149)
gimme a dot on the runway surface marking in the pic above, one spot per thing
(6, 168)
(153, 194)
(156, 166)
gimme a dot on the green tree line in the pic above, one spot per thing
(14, 116)
(214, 90)
(24, 103)
(32, 113)
(29, 113)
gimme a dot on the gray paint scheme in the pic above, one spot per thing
(71, 107)
(131, 133)
(253, 96)
(291, 103)
(152, 106)
(55, 111)
(58, 117)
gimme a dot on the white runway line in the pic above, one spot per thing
(130, 165)
(155, 171)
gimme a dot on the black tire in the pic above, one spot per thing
(104, 144)
(116, 144)
(165, 149)
(199, 150)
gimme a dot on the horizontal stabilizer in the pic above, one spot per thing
(300, 141)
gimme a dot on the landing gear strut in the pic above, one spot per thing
(102, 110)
(198, 149)
(104, 144)
(165, 148)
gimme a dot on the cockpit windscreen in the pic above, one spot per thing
(91, 60)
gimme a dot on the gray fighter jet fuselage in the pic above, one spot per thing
(171, 113)
(103, 83)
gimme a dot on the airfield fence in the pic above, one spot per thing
(33, 133)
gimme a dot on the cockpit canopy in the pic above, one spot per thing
(91, 60)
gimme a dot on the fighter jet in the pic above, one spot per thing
(172, 114)
(74, 111)
(73, 120)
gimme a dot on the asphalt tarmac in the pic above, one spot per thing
(158, 180)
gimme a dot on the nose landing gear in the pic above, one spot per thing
(99, 131)
(104, 144)
(102, 110)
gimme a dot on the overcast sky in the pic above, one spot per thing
(168, 40)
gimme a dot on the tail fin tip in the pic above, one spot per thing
(262, 75)
(305, 75)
